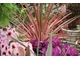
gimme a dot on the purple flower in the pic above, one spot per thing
(44, 51)
(58, 48)
(56, 51)
(72, 52)
(69, 51)
(34, 44)
(44, 44)
(33, 41)
(65, 48)
(56, 42)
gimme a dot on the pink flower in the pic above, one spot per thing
(11, 32)
(13, 48)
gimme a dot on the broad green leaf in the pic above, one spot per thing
(49, 49)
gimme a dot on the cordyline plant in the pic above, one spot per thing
(42, 21)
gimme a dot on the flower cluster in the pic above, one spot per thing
(9, 47)
(58, 49)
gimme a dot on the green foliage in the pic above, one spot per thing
(6, 12)
(22, 10)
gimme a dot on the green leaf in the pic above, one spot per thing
(22, 10)
(7, 11)
(4, 22)
(49, 49)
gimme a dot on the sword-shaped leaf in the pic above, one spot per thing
(49, 49)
